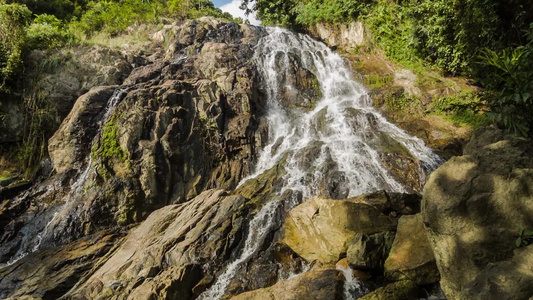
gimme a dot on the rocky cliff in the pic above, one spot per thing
(224, 161)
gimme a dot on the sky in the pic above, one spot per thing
(232, 6)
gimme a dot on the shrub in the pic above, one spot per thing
(47, 32)
(13, 20)
(313, 11)
(510, 86)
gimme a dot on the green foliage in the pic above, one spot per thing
(47, 32)
(374, 80)
(510, 86)
(525, 238)
(313, 11)
(13, 20)
(393, 28)
(62, 9)
(114, 17)
(463, 109)
(273, 12)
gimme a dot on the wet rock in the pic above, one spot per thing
(312, 233)
(401, 290)
(317, 284)
(411, 256)
(298, 86)
(473, 209)
(368, 252)
(64, 76)
(49, 274)
(72, 142)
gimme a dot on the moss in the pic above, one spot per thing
(109, 145)
(376, 80)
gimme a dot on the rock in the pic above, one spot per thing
(392, 204)
(49, 274)
(170, 252)
(177, 130)
(346, 36)
(411, 256)
(12, 119)
(510, 279)
(72, 142)
(401, 290)
(407, 79)
(67, 74)
(473, 208)
(368, 252)
(318, 284)
(311, 231)
(298, 86)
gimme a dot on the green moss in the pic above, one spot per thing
(374, 80)
(109, 145)
(403, 103)
(463, 109)
(469, 118)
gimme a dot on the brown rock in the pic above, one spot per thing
(411, 256)
(312, 232)
(401, 290)
(319, 285)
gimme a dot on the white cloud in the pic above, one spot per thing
(234, 9)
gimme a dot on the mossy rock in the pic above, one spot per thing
(401, 290)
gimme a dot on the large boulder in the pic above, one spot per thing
(50, 273)
(321, 229)
(186, 120)
(316, 284)
(473, 209)
(170, 252)
(411, 256)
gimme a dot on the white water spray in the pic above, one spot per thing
(343, 125)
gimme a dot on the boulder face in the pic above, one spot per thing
(473, 209)
(316, 284)
(411, 256)
(71, 143)
(51, 273)
(312, 231)
(168, 255)
(347, 36)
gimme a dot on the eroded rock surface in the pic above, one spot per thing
(170, 252)
(473, 209)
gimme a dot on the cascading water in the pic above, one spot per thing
(343, 126)
(33, 243)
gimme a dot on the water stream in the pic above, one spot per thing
(33, 243)
(341, 132)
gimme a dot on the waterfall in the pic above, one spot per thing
(32, 243)
(342, 129)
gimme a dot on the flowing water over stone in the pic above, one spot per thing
(329, 144)
(59, 216)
